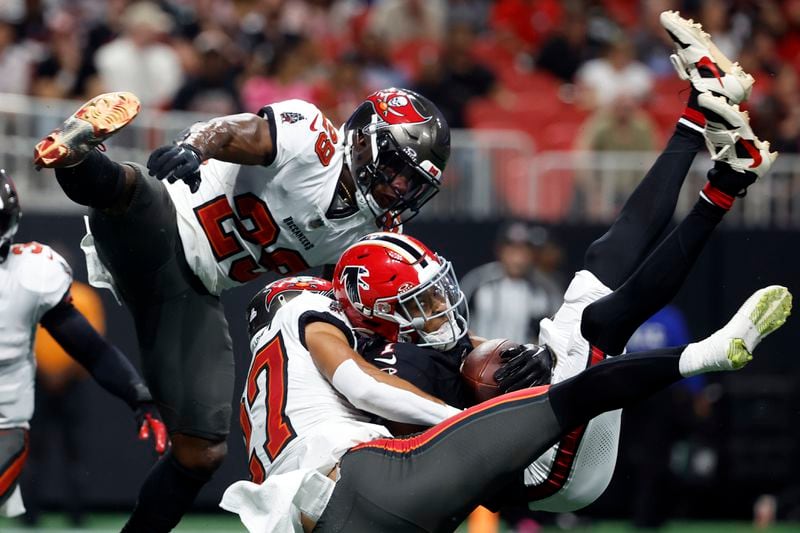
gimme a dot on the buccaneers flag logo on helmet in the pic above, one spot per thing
(395, 107)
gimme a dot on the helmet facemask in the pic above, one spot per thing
(432, 314)
(375, 158)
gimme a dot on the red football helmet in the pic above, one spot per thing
(267, 301)
(394, 286)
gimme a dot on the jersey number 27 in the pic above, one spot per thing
(271, 360)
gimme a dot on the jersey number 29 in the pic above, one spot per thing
(224, 243)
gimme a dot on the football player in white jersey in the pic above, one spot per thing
(34, 289)
(319, 462)
(644, 274)
(281, 190)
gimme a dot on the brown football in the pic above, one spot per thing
(479, 367)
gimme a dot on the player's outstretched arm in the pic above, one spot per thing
(365, 386)
(107, 366)
(245, 139)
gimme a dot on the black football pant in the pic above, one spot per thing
(432, 481)
(644, 274)
(186, 350)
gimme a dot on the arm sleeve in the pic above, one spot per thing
(104, 362)
(391, 403)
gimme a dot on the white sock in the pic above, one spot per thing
(708, 355)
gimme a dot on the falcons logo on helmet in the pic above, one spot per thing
(352, 278)
(395, 107)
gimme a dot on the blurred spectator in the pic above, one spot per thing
(398, 21)
(526, 21)
(378, 70)
(16, 61)
(212, 90)
(279, 76)
(653, 45)
(509, 297)
(789, 43)
(329, 24)
(343, 90)
(473, 13)
(716, 22)
(622, 126)
(456, 78)
(58, 427)
(137, 60)
(601, 81)
(564, 52)
(64, 71)
(777, 117)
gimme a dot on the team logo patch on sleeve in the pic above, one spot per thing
(288, 117)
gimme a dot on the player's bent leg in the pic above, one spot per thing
(621, 381)
(609, 322)
(186, 350)
(98, 182)
(614, 256)
(430, 482)
(13, 453)
(173, 484)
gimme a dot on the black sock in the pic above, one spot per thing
(609, 322)
(166, 495)
(96, 182)
(613, 384)
(646, 213)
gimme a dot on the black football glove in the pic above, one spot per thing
(176, 162)
(526, 365)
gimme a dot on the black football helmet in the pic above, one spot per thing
(10, 213)
(396, 131)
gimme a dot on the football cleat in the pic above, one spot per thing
(94, 122)
(732, 347)
(698, 60)
(730, 139)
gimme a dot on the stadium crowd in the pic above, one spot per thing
(554, 64)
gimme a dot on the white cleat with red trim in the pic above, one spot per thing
(730, 139)
(698, 60)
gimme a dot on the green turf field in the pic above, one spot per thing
(228, 524)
